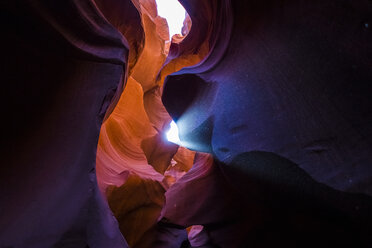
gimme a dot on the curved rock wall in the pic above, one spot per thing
(64, 69)
(294, 80)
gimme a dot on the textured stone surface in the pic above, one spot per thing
(58, 83)
(261, 200)
(294, 80)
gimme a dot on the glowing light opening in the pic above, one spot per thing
(174, 13)
(172, 134)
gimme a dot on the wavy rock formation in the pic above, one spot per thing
(272, 102)
(132, 153)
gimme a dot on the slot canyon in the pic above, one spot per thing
(186, 124)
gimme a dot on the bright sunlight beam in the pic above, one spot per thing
(172, 134)
(174, 13)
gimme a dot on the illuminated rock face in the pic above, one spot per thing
(132, 152)
(277, 93)
(131, 140)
